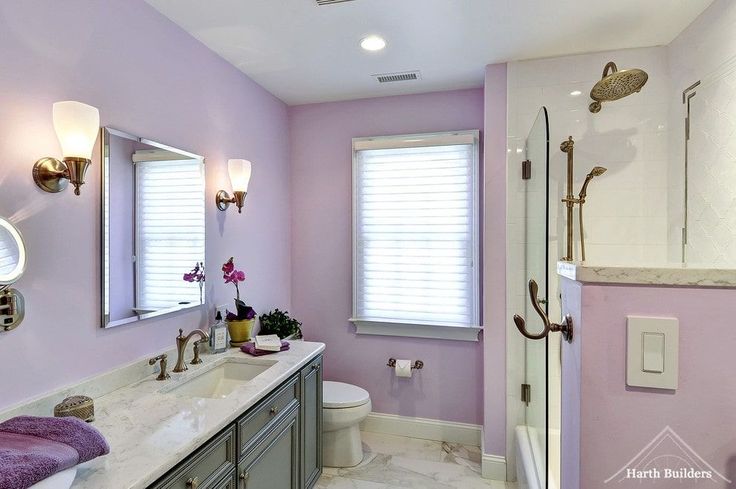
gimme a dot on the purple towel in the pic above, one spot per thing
(34, 448)
(251, 349)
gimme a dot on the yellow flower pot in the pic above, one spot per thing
(240, 331)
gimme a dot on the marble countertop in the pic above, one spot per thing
(150, 431)
(674, 274)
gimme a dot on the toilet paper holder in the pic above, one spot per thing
(418, 364)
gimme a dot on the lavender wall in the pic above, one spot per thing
(450, 386)
(494, 261)
(615, 421)
(152, 79)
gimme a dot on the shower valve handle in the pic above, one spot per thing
(565, 328)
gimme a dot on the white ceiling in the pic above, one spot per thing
(304, 53)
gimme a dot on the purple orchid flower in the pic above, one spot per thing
(232, 275)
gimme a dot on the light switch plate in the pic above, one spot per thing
(652, 352)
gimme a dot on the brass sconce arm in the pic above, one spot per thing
(223, 200)
(53, 175)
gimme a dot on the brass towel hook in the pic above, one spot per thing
(565, 328)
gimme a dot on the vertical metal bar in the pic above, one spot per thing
(687, 95)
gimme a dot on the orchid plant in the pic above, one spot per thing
(196, 275)
(231, 275)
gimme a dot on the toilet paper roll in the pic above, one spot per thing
(403, 368)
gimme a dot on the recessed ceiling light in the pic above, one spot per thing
(373, 43)
(575, 93)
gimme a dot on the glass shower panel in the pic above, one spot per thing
(710, 174)
(536, 240)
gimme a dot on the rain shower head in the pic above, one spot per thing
(615, 84)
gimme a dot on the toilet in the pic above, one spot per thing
(344, 406)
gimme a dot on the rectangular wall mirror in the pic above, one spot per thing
(153, 230)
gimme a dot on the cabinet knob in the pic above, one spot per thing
(316, 366)
(193, 483)
(243, 476)
(274, 410)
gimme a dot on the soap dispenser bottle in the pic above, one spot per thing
(218, 335)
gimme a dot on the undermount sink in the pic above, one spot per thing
(222, 380)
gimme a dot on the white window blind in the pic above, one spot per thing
(170, 231)
(415, 231)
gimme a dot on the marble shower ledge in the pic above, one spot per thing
(666, 275)
(149, 432)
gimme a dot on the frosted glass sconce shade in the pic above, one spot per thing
(76, 125)
(240, 172)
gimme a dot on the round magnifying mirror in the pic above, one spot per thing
(12, 254)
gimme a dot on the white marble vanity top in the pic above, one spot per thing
(149, 432)
(681, 275)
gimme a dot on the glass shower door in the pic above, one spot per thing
(536, 229)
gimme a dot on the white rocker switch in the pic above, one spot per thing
(652, 352)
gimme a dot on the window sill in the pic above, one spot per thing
(415, 330)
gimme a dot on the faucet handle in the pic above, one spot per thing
(163, 374)
(196, 360)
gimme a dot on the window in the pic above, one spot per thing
(170, 236)
(415, 236)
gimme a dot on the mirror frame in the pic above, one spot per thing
(105, 134)
(20, 268)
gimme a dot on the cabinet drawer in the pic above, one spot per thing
(206, 468)
(267, 412)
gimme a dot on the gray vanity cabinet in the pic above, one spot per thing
(311, 415)
(277, 444)
(274, 461)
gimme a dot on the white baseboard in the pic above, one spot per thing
(493, 467)
(425, 429)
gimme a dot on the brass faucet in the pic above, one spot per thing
(181, 345)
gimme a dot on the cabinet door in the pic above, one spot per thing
(273, 463)
(311, 422)
(230, 482)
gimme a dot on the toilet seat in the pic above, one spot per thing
(338, 395)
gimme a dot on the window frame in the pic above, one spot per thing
(418, 328)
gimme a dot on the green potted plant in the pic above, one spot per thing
(239, 324)
(280, 323)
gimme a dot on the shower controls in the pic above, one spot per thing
(651, 352)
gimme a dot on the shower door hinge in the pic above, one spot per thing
(526, 170)
(526, 393)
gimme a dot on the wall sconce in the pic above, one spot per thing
(76, 125)
(239, 171)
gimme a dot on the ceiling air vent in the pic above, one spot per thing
(398, 77)
(330, 2)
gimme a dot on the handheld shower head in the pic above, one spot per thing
(595, 172)
(616, 84)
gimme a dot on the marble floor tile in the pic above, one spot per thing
(402, 445)
(397, 462)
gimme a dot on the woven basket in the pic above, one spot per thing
(81, 407)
